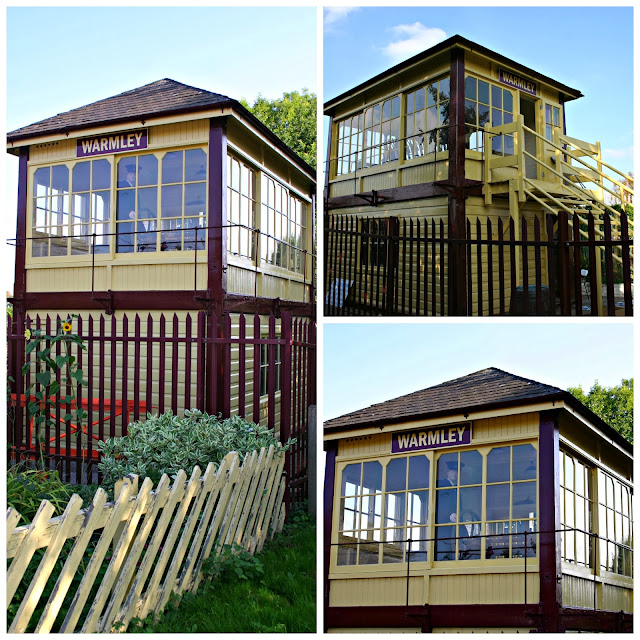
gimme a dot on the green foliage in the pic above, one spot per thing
(613, 404)
(167, 443)
(49, 368)
(27, 488)
(293, 118)
(233, 563)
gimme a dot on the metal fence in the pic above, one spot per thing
(256, 367)
(554, 265)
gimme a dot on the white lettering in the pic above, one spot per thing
(86, 146)
(422, 439)
(114, 143)
(403, 441)
(433, 437)
(103, 144)
(96, 146)
(461, 431)
(138, 137)
(414, 441)
(452, 434)
(130, 140)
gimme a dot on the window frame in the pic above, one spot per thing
(431, 563)
(112, 254)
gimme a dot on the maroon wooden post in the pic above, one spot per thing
(20, 285)
(285, 404)
(549, 547)
(391, 280)
(626, 264)
(457, 294)
(216, 258)
(331, 449)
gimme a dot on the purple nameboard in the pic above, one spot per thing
(112, 143)
(518, 82)
(431, 438)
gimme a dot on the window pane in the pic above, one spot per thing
(524, 462)
(497, 501)
(101, 178)
(496, 117)
(418, 472)
(372, 477)
(393, 548)
(483, 92)
(41, 181)
(395, 509)
(444, 89)
(568, 473)
(445, 543)
(508, 100)
(418, 545)
(470, 504)
(351, 480)
(469, 546)
(147, 170)
(524, 500)
(432, 118)
(395, 107)
(498, 463)
(194, 199)
(483, 115)
(376, 114)
(497, 546)
(470, 113)
(448, 470)
(172, 201)
(446, 506)
(410, 102)
(470, 85)
(59, 179)
(348, 513)
(81, 176)
(418, 507)
(419, 104)
(470, 467)
(396, 475)
(496, 97)
(172, 167)
(386, 110)
(432, 94)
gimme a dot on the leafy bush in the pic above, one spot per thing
(167, 443)
(27, 488)
(233, 563)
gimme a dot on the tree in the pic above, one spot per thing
(292, 118)
(614, 405)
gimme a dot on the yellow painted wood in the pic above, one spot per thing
(376, 592)
(27, 548)
(46, 566)
(119, 596)
(63, 583)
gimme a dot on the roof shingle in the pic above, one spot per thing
(481, 389)
(158, 97)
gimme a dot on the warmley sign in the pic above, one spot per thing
(518, 82)
(112, 143)
(431, 438)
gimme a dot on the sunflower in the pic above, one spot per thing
(27, 334)
(66, 327)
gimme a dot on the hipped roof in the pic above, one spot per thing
(570, 94)
(162, 97)
(483, 390)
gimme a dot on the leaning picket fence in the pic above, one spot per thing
(157, 541)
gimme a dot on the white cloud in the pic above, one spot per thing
(336, 14)
(410, 39)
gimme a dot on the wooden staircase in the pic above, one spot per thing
(576, 181)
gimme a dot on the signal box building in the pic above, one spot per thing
(165, 200)
(489, 503)
(444, 148)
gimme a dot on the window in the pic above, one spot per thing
(459, 500)
(576, 510)
(51, 209)
(368, 537)
(373, 245)
(283, 220)
(369, 138)
(615, 517)
(265, 375)
(240, 208)
(178, 194)
(511, 501)
(427, 119)
(484, 103)
(552, 120)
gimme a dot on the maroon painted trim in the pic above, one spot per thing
(395, 194)
(474, 615)
(327, 166)
(130, 300)
(238, 303)
(20, 282)
(549, 500)
(331, 449)
(217, 212)
(457, 261)
(429, 616)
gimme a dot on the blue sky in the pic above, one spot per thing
(366, 363)
(586, 48)
(61, 58)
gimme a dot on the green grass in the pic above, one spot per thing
(275, 594)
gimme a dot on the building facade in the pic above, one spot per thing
(430, 163)
(173, 209)
(489, 503)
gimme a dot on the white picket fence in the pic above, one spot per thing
(158, 540)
